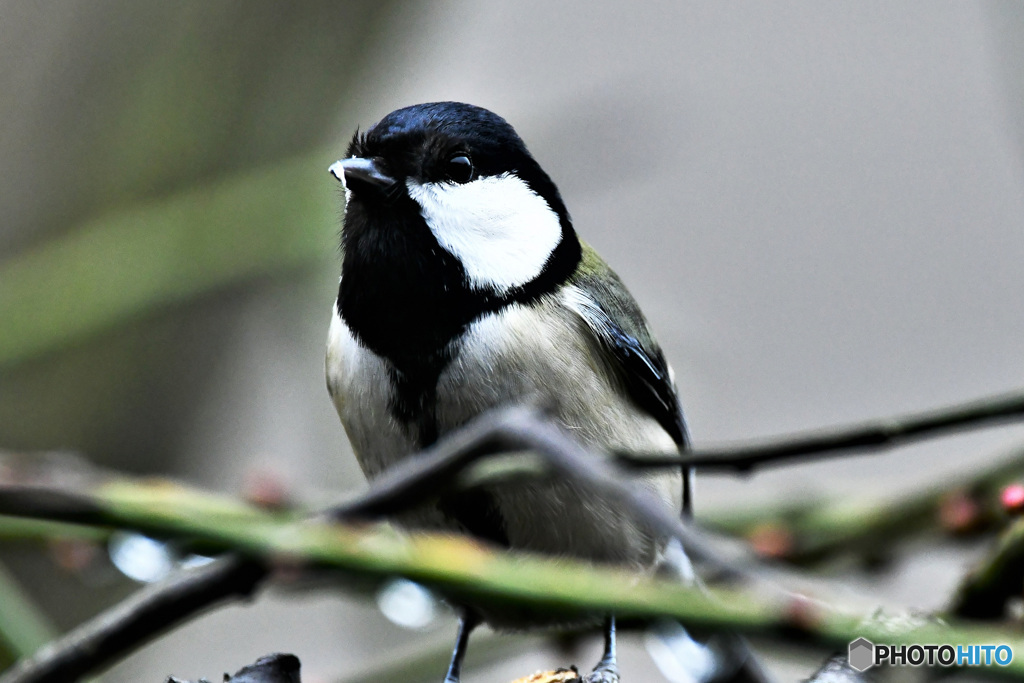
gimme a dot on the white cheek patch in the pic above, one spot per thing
(500, 230)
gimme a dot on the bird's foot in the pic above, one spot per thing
(603, 673)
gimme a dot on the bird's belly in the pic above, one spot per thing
(545, 357)
(525, 355)
(513, 357)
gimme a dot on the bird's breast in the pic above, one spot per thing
(362, 390)
(541, 354)
(546, 355)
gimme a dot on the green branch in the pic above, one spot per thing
(815, 531)
(466, 570)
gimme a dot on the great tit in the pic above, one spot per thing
(464, 287)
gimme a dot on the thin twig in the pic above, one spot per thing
(131, 623)
(840, 441)
(51, 504)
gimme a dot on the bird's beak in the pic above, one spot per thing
(360, 170)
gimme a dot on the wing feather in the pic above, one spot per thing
(605, 305)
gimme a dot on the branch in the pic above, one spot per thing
(422, 477)
(275, 668)
(60, 505)
(811, 532)
(565, 588)
(865, 437)
(152, 610)
(425, 475)
(984, 592)
(417, 479)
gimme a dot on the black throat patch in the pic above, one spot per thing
(407, 300)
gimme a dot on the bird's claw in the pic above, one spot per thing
(602, 674)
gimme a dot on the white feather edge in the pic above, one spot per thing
(338, 171)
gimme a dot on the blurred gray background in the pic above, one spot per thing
(818, 205)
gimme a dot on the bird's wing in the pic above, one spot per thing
(604, 303)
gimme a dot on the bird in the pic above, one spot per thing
(464, 287)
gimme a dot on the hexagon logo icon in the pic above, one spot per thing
(862, 654)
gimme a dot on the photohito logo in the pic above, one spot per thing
(864, 654)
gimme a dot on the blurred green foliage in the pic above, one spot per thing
(161, 162)
(144, 257)
(158, 161)
(23, 628)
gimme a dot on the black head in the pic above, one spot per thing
(448, 217)
(450, 192)
(463, 173)
(443, 142)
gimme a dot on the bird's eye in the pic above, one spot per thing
(459, 168)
